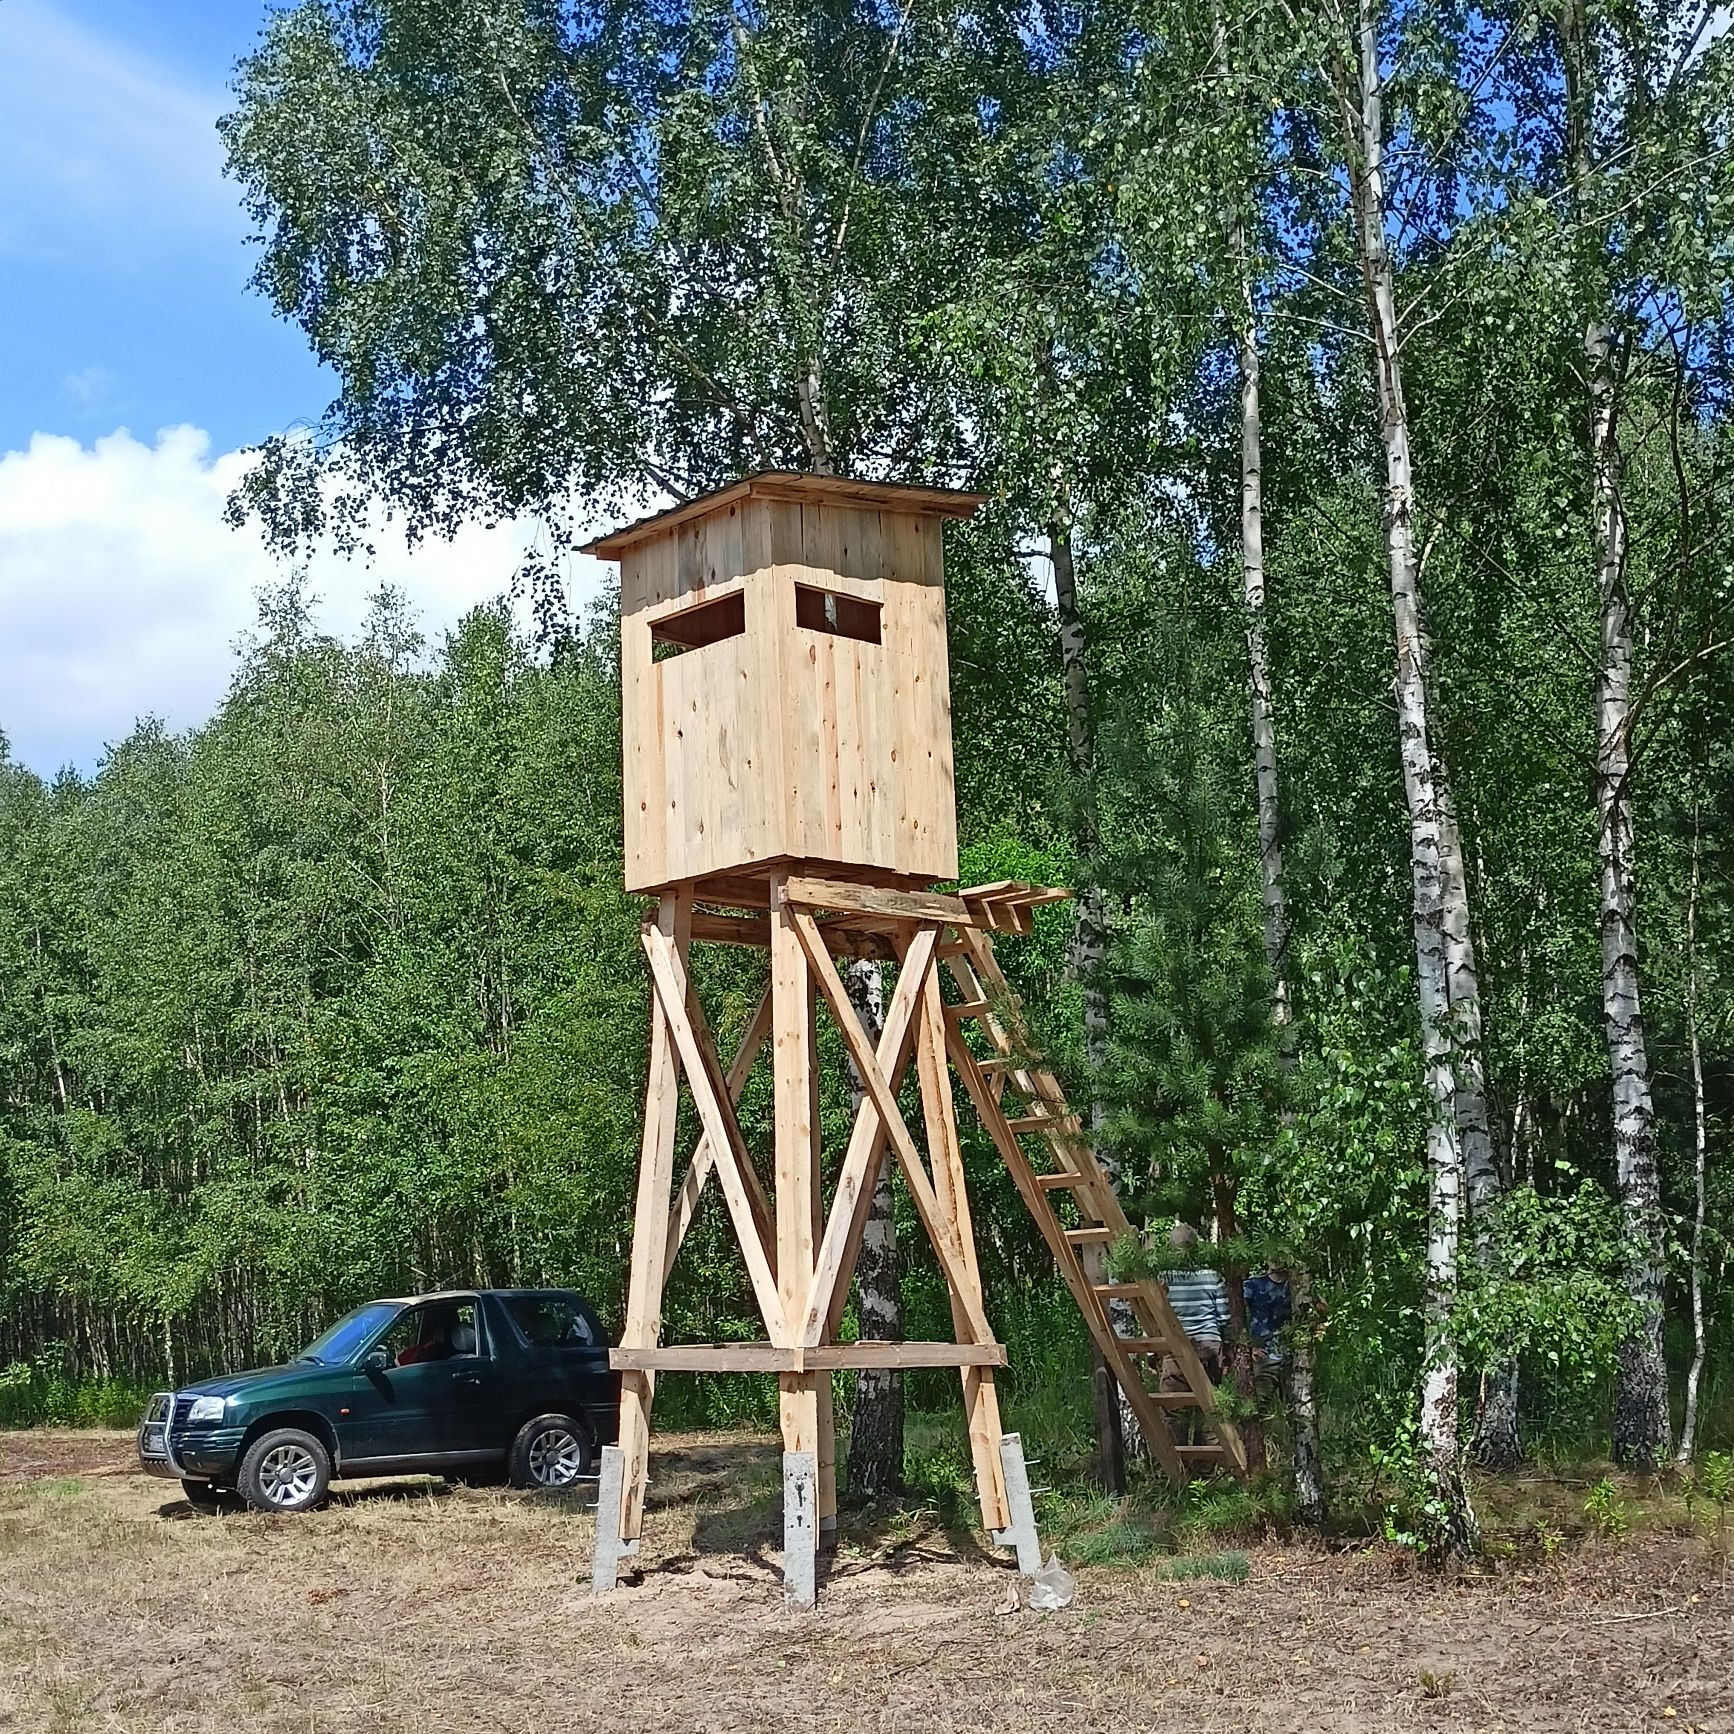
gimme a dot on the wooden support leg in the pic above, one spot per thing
(649, 1241)
(797, 1188)
(980, 1398)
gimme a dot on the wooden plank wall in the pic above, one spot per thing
(788, 743)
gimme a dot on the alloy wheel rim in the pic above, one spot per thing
(556, 1458)
(288, 1474)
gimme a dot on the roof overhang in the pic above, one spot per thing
(792, 485)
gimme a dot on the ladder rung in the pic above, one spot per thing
(1117, 1290)
(1084, 1236)
(1047, 1123)
(1200, 1453)
(1144, 1345)
(1174, 1399)
(969, 1008)
(1001, 1063)
(1053, 1182)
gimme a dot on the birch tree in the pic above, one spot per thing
(1622, 205)
(1437, 878)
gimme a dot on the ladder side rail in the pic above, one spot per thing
(1071, 1271)
(984, 966)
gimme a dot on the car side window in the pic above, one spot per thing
(549, 1322)
(438, 1331)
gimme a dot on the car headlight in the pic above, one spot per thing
(206, 1409)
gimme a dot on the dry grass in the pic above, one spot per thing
(408, 1609)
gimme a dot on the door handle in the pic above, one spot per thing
(467, 1379)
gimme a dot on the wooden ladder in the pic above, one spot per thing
(1071, 1172)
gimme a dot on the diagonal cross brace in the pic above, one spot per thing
(685, 1205)
(884, 1099)
(722, 1131)
(860, 1171)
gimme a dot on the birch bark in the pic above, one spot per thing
(1642, 1430)
(1360, 95)
(1303, 1409)
(1700, 1143)
(875, 1461)
(1494, 1441)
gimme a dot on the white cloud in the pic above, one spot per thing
(122, 591)
(93, 131)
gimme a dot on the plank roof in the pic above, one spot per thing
(792, 485)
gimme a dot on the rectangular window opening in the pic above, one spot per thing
(842, 616)
(692, 628)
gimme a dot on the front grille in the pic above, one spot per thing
(178, 1420)
(154, 1438)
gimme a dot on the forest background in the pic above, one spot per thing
(1349, 624)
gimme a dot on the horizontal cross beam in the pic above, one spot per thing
(808, 1358)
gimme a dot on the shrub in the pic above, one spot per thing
(1606, 1511)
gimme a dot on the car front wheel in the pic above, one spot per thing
(550, 1452)
(285, 1470)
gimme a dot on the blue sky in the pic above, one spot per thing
(123, 297)
(135, 368)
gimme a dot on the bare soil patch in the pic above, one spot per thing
(410, 1608)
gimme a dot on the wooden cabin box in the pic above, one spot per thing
(786, 692)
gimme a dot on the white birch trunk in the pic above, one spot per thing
(1309, 1487)
(1641, 1424)
(1494, 1441)
(1258, 669)
(1700, 1151)
(1360, 94)
(1642, 1431)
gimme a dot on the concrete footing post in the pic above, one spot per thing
(1020, 1535)
(800, 1529)
(610, 1509)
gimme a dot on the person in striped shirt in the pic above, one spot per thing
(1199, 1298)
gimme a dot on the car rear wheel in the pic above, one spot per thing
(285, 1470)
(550, 1452)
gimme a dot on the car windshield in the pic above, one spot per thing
(351, 1334)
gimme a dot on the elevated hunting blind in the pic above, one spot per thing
(787, 696)
(788, 786)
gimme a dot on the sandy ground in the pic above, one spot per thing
(409, 1608)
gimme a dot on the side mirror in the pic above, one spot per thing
(377, 1359)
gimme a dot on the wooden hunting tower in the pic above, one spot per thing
(788, 786)
(786, 696)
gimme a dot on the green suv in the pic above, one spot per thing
(460, 1383)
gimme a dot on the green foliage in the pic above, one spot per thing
(1607, 1511)
(1198, 1085)
(1417, 1518)
(1232, 1567)
(1221, 1507)
(37, 1396)
(1554, 1293)
(339, 994)
(1125, 1541)
(1715, 1482)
